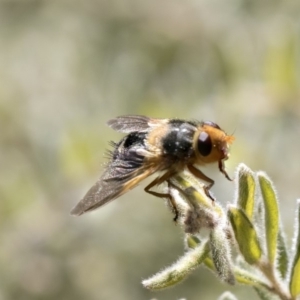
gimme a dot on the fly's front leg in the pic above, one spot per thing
(222, 169)
(197, 173)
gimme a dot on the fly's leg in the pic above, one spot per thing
(197, 173)
(158, 181)
(222, 169)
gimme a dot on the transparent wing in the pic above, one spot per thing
(118, 178)
(130, 123)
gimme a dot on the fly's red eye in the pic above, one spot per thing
(204, 144)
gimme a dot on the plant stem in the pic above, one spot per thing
(277, 287)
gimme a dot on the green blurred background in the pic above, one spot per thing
(66, 67)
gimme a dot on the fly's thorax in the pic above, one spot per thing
(178, 140)
(211, 144)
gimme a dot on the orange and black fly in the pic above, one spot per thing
(167, 146)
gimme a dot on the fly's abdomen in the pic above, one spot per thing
(125, 157)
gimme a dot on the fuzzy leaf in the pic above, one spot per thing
(271, 214)
(220, 251)
(265, 295)
(179, 270)
(295, 271)
(249, 278)
(242, 276)
(246, 190)
(282, 255)
(201, 211)
(192, 190)
(245, 235)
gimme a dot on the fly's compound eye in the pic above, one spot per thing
(204, 144)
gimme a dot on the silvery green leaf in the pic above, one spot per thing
(179, 270)
(295, 270)
(271, 214)
(246, 190)
(245, 235)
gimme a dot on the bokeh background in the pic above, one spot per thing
(66, 67)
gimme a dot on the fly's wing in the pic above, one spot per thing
(120, 176)
(131, 162)
(129, 123)
(134, 123)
